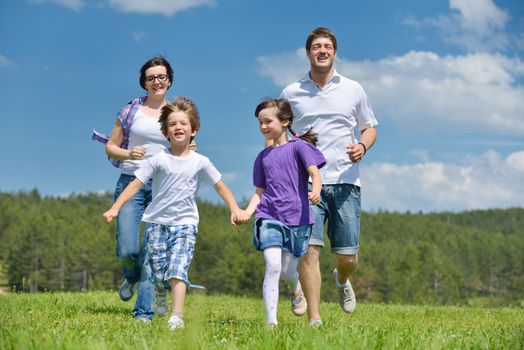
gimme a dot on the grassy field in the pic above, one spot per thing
(99, 320)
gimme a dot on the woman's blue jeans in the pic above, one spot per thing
(130, 251)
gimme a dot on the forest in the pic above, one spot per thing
(446, 258)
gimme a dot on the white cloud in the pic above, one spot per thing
(476, 92)
(75, 5)
(479, 182)
(284, 68)
(163, 7)
(138, 36)
(480, 16)
(422, 90)
(475, 25)
(4, 61)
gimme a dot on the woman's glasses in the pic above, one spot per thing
(160, 77)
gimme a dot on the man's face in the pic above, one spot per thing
(321, 54)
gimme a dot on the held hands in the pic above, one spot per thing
(239, 217)
(110, 215)
(137, 153)
(355, 152)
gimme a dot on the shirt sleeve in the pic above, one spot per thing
(310, 155)
(146, 170)
(209, 173)
(121, 116)
(259, 176)
(365, 116)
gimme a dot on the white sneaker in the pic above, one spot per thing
(175, 322)
(271, 326)
(315, 323)
(160, 302)
(127, 290)
(346, 296)
(143, 319)
(299, 304)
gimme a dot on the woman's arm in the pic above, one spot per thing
(114, 150)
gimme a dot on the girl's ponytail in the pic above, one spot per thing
(309, 136)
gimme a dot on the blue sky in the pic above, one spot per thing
(445, 80)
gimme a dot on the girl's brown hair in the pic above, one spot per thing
(284, 113)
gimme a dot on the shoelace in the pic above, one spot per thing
(348, 296)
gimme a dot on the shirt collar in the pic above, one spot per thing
(334, 79)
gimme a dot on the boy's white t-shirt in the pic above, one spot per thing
(175, 183)
(145, 131)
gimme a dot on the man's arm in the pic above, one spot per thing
(356, 151)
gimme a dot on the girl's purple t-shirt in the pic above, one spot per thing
(282, 173)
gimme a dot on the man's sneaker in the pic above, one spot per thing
(315, 323)
(127, 290)
(175, 322)
(143, 319)
(160, 302)
(346, 296)
(299, 304)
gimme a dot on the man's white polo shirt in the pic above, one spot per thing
(334, 112)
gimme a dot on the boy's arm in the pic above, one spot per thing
(316, 178)
(224, 192)
(125, 196)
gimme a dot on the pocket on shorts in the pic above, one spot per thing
(300, 239)
(256, 233)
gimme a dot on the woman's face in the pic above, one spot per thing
(157, 81)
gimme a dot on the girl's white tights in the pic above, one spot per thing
(278, 264)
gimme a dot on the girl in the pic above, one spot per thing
(283, 218)
(172, 216)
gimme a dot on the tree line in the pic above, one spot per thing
(62, 244)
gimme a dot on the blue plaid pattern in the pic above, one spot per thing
(126, 116)
(170, 249)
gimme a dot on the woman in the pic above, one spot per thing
(137, 136)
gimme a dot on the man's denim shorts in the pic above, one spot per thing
(340, 207)
(271, 233)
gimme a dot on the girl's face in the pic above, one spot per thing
(179, 130)
(270, 126)
(157, 81)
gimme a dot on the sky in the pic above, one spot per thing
(445, 79)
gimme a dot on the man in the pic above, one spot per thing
(335, 107)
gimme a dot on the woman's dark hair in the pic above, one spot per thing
(284, 113)
(155, 61)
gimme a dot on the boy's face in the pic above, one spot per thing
(179, 131)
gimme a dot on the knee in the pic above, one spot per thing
(128, 255)
(312, 256)
(289, 274)
(273, 268)
(347, 262)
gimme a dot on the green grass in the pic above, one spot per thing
(99, 320)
